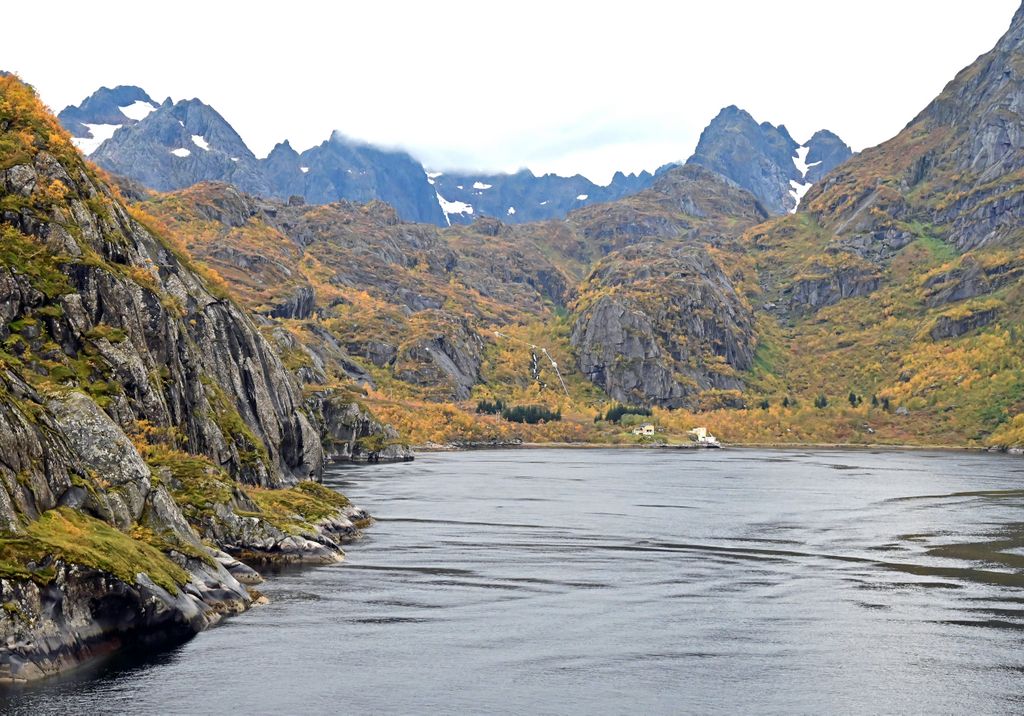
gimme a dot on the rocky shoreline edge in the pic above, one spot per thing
(78, 616)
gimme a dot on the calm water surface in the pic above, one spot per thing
(593, 581)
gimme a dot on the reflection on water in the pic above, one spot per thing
(557, 581)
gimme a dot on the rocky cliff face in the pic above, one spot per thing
(133, 401)
(954, 168)
(764, 159)
(658, 321)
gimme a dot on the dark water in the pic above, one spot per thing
(557, 581)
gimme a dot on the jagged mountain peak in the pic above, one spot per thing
(104, 112)
(765, 159)
(180, 144)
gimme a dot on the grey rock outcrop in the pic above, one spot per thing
(658, 321)
(350, 432)
(84, 613)
(652, 348)
(830, 285)
(617, 350)
(448, 358)
(826, 151)
(955, 326)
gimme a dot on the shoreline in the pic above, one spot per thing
(901, 447)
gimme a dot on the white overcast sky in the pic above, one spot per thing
(567, 87)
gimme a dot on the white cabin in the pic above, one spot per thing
(703, 437)
(645, 429)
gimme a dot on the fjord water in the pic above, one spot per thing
(600, 581)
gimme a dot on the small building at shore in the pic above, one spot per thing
(702, 437)
(645, 429)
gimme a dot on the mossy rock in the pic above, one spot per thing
(76, 538)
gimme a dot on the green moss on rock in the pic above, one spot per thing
(76, 538)
(297, 509)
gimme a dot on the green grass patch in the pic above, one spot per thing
(69, 535)
(195, 483)
(298, 508)
(30, 257)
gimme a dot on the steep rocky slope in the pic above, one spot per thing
(902, 271)
(413, 312)
(658, 320)
(142, 418)
(355, 291)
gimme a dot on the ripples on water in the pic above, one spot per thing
(558, 581)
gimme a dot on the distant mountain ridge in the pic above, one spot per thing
(178, 144)
(523, 197)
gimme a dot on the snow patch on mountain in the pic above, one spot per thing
(452, 207)
(800, 188)
(511, 211)
(100, 133)
(137, 110)
(181, 152)
(582, 197)
(200, 141)
(481, 185)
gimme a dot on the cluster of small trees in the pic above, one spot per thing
(821, 402)
(855, 401)
(616, 412)
(530, 414)
(490, 408)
